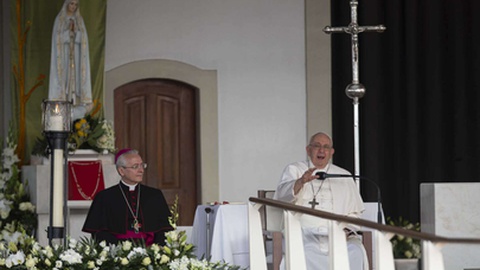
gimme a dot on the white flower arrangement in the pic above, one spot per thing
(17, 213)
(23, 252)
(106, 141)
(20, 250)
(5, 208)
(9, 159)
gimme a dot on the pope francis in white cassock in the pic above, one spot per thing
(299, 185)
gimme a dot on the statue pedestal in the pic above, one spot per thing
(88, 154)
(449, 209)
(38, 177)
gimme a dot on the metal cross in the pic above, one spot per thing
(313, 202)
(355, 90)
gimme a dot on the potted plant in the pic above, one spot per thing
(89, 136)
(39, 151)
(406, 250)
(93, 134)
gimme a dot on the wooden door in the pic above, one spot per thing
(158, 118)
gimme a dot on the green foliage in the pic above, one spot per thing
(174, 213)
(405, 247)
(40, 147)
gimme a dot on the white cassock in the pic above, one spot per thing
(336, 195)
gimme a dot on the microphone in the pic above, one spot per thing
(324, 175)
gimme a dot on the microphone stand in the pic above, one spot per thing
(324, 175)
(208, 210)
(379, 199)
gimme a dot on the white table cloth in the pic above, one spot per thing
(227, 232)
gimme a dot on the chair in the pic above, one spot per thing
(271, 219)
(370, 213)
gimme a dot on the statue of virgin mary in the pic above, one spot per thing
(70, 63)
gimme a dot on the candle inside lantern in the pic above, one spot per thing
(56, 119)
(56, 123)
(57, 218)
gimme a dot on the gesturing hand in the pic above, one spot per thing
(308, 175)
(72, 25)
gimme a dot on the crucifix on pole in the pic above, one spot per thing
(355, 90)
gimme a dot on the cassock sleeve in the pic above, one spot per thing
(96, 220)
(284, 190)
(107, 213)
(155, 211)
(105, 236)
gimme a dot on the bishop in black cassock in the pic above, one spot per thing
(129, 210)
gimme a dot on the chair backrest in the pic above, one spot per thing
(271, 217)
(371, 213)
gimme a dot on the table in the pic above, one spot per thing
(226, 227)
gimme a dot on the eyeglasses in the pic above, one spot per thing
(319, 146)
(137, 166)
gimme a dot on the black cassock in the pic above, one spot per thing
(109, 214)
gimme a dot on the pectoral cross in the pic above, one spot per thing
(136, 226)
(313, 202)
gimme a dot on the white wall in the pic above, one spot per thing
(257, 48)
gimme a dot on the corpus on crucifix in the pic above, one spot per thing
(355, 90)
